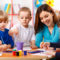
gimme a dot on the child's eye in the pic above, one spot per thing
(4, 21)
(21, 17)
(26, 17)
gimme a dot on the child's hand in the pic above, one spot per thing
(11, 32)
(4, 47)
(34, 47)
(0, 42)
(42, 45)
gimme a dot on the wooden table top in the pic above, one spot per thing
(9, 56)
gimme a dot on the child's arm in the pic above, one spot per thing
(11, 42)
(33, 44)
(5, 47)
(0, 42)
(13, 31)
(33, 41)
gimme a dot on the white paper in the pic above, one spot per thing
(27, 48)
(42, 54)
(0, 53)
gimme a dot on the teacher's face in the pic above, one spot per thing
(46, 18)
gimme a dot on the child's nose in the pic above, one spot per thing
(24, 19)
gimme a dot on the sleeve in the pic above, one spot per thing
(57, 55)
(55, 45)
(33, 35)
(39, 38)
(11, 41)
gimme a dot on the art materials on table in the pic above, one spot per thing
(35, 51)
(25, 52)
(20, 52)
(19, 45)
(17, 53)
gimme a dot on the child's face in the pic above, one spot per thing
(24, 18)
(2, 25)
(46, 18)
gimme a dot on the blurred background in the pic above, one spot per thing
(11, 7)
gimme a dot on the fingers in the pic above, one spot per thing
(45, 45)
(34, 47)
(42, 45)
(0, 42)
(3, 47)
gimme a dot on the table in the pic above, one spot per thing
(9, 56)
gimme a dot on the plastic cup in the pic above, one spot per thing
(19, 45)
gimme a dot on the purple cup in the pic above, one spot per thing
(19, 45)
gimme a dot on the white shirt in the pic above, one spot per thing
(25, 35)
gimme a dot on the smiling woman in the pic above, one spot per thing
(45, 25)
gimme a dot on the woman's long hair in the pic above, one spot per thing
(38, 24)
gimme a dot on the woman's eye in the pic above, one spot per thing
(46, 16)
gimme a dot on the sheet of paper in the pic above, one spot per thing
(27, 48)
(0, 53)
(42, 54)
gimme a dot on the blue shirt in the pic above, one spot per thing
(54, 37)
(5, 38)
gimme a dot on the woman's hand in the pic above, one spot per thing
(41, 44)
(46, 45)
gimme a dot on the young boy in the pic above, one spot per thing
(23, 31)
(5, 40)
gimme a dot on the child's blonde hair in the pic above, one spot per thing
(3, 16)
(25, 9)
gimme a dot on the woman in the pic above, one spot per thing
(46, 29)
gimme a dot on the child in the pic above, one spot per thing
(45, 25)
(5, 40)
(24, 31)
